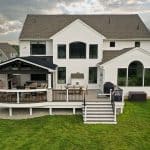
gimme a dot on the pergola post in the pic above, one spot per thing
(49, 81)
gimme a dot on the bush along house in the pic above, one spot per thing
(90, 62)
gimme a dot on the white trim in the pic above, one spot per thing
(79, 21)
(26, 61)
(134, 49)
(22, 90)
(133, 39)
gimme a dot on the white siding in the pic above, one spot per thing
(25, 48)
(120, 44)
(123, 61)
(77, 32)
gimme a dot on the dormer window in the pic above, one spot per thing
(38, 48)
(112, 43)
(137, 43)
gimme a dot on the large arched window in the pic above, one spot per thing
(135, 74)
(77, 50)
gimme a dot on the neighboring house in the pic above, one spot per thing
(7, 52)
(82, 50)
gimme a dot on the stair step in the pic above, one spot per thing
(99, 115)
(100, 119)
(102, 122)
(98, 103)
(98, 109)
(99, 106)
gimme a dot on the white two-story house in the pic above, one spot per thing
(90, 49)
(58, 52)
(87, 50)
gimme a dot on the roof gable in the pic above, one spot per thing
(81, 25)
(111, 55)
(111, 26)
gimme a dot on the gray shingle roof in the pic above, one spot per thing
(45, 61)
(111, 26)
(110, 54)
(7, 49)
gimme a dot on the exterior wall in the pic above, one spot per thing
(3, 77)
(123, 61)
(25, 48)
(120, 44)
(72, 34)
(24, 78)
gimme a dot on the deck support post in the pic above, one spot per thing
(74, 111)
(17, 97)
(30, 111)
(50, 111)
(67, 95)
(10, 112)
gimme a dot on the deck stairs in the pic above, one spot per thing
(99, 112)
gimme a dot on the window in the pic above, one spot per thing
(38, 77)
(93, 53)
(122, 76)
(135, 74)
(147, 77)
(61, 75)
(61, 51)
(112, 44)
(77, 50)
(37, 48)
(92, 74)
(137, 44)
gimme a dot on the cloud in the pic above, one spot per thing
(7, 26)
(13, 12)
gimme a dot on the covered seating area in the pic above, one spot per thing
(23, 80)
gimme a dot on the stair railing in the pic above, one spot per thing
(113, 103)
(84, 106)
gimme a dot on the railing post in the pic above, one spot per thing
(84, 113)
(115, 113)
(110, 94)
(67, 95)
(17, 97)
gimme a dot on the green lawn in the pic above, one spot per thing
(68, 132)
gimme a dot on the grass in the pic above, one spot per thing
(69, 133)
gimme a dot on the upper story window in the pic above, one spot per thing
(77, 50)
(112, 43)
(137, 43)
(61, 51)
(38, 48)
(93, 51)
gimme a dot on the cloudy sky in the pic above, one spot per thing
(13, 12)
